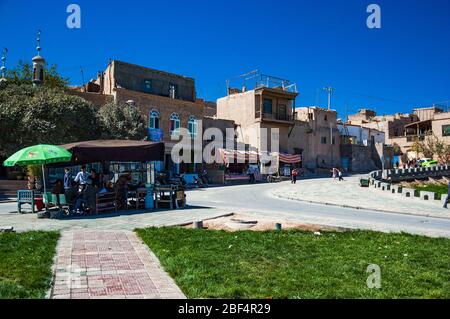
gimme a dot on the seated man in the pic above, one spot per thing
(89, 197)
(72, 194)
(58, 189)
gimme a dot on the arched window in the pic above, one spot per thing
(174, 124)
(153, 121)
(193, 126)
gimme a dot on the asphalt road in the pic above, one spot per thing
(258, 200)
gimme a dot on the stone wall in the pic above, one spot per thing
(360, 157)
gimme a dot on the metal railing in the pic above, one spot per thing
(418, 137)
(278, 116)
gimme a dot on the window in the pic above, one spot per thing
(193, 126)
(325, 118)
(323, 140)
(445, 130)
(257, 106)
(282, 112)
(174, 124)
(148, 86)
(333, 141)
(153, 122)
(267, 106)
(173, 91)
(310, 116)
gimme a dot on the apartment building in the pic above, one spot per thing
(263, 108)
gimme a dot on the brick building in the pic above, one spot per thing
(168, 101)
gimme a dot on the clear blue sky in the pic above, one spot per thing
(315, 43)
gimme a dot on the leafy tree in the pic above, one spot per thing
(121, 121)
(432, 147)
(38, 115)
(22, 74)
(397, 149)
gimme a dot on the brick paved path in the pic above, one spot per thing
(108, 264)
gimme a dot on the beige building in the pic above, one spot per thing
(404, 129)
(258, 109)
(316, 136)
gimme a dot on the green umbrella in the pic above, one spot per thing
(39, 155)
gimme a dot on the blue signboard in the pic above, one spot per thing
(155, 134)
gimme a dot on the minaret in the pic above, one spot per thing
(38, 63)
(3, 67)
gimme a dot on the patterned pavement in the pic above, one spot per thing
(93, 264)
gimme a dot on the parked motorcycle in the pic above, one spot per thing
(274, 178)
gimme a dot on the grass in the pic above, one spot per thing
(25, 263)
(295, 264)
(439, 189)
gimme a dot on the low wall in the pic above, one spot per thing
(410, 174)
(383, 181)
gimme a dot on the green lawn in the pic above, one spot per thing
(294, 264)
(25, 263)
(439, 189)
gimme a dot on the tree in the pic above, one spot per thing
(432, 147)
(38, 115)
(397, 149)
(121, 121)
(22, 74)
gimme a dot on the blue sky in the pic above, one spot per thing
(403, 65)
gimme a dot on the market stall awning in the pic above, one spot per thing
(227, 156)
(235, 156)
(115, 151)
(289, 158)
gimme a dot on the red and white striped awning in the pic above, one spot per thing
(235, 156)
(289, 158)
(226, 156)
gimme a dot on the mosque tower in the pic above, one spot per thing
(38, 64)
(3, 68)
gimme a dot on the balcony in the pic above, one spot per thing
(277, 117)
(419, 137)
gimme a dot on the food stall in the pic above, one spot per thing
(128, 166)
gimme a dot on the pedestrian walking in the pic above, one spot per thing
(294, 174)
(340, 175)
(448, 195)
(334, 171)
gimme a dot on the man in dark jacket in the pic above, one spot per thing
(448, 195)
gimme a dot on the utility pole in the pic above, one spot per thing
(329, 91)
(82, 79)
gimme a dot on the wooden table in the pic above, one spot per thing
(171, 194)
(139, 196)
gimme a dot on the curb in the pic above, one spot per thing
(358, 207)
(212, 218)
(8, 200)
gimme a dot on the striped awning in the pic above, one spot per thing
(227, 156)
(235, 156)
(289, 158)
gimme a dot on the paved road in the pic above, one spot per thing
(254, 200)
(258, 200)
